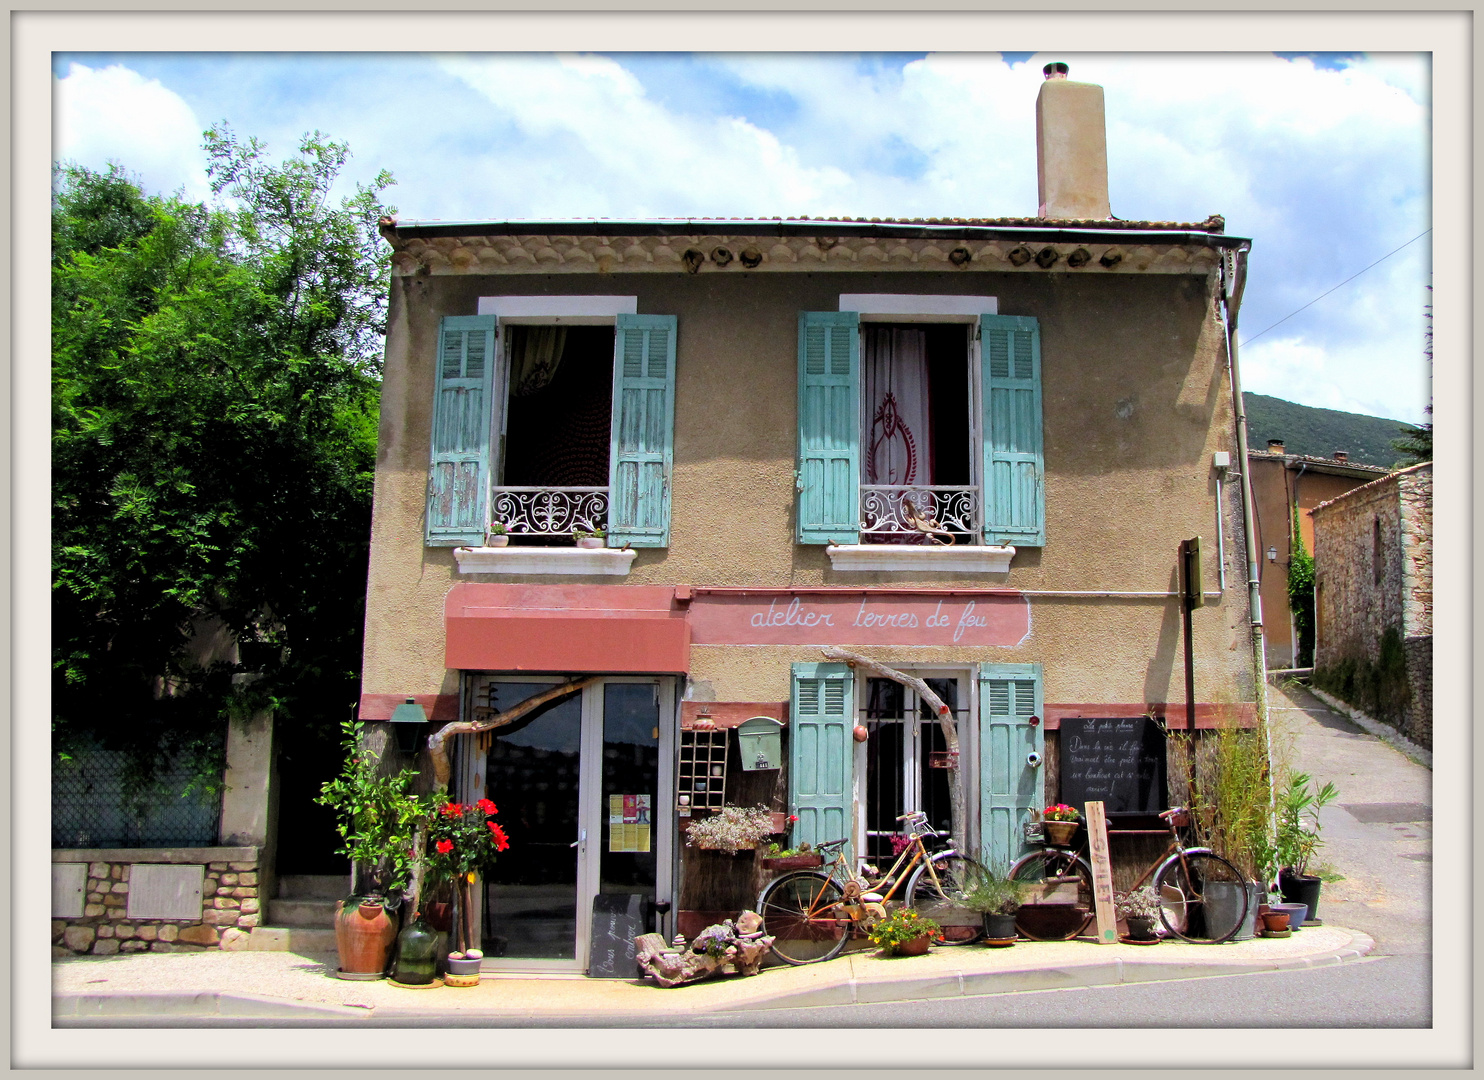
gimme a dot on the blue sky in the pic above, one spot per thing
(1321, 158)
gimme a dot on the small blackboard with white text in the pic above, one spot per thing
(618, 918)
(1118, 761)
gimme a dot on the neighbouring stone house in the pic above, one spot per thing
(1285, 489)
(1373, 599)
(779, 425)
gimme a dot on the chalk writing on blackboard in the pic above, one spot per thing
(1119, 761)
(618, 918)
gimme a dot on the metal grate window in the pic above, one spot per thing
(89, 810)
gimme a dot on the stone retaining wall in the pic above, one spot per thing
(230, 903)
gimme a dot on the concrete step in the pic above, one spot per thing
(291, 939)
(305, 914)
(314, 886)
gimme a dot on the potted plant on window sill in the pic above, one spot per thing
(497, 535)
(584, 538)
(377, 821)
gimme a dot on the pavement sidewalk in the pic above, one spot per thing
(265, 987)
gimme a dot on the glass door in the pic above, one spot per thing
(578, 783)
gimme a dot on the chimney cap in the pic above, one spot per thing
(1341, 455)
(1057, 70)
(1275, 446)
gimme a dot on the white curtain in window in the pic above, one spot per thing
(895, 448)
(534, 357)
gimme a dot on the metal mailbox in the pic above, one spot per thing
(760, 742)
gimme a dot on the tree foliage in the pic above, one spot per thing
(1301, 595)
(215, 373)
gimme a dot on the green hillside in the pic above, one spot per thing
(1320, 432)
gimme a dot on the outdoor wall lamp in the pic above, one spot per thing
(1272, 554)
(408, 718)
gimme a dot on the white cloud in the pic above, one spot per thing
(115, 114)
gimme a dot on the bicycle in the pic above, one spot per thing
(1203, 898)
(811, 914)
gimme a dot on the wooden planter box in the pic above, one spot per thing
(794, 862)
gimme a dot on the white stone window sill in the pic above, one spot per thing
(524, 560)
(966, 558)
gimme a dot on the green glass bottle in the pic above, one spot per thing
(417, 954)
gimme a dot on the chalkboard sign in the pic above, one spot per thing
(1119, 761)
(618, 918)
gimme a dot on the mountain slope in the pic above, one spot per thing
(1320, 432)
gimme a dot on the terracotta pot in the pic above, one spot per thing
(1059, 833)
(364, 935)
(1275, 921)
(916, 947)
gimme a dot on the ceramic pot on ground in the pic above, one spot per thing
(1141, 927)
(1301, 889)
(1297, 913)
(364, 935)
(999, 928)
(918, 946)
(1275, 922)
(1059, 833)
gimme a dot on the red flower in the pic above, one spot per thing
(453, 809)
(501, 840)
(793, 817)
(488, 807)
(444, 846)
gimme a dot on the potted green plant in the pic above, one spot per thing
(1229, 804)
(1298, 837)
(1059, 822)
(997, 898)
(462, 840)
(1139, 908)
(377, 818)
(904, 933)
(795, 858)
(585, 538)
(731, 829)
(497, 535)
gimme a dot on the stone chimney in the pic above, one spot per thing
(1071, 148)
(1341, 456)
(1275, 446)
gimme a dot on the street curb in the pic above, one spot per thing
(212, 1004)
(1385, 732)
(855, 991)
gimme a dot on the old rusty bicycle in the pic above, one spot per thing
(1203, 898)
(811, 914)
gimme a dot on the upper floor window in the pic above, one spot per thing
(920, 432)
(552, 415)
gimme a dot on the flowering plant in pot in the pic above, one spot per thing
(1139, 908)
(904, 933)
(462, 839)
(585, 538)
(1059, 823)
(497, 534)
(731, 829)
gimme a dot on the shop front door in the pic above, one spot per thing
(577, 783)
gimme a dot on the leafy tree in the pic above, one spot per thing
(215, 381)
(1301, 596)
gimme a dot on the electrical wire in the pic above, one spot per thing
(1322, 295)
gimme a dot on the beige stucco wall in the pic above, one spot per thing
(1135, 401)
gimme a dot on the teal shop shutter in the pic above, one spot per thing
(1014, 487)
(1009, 696)
(820, 777)
(829, 427)
(642, 450)
(458, 476)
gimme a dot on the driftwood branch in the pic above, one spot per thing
(945, 724)
(485, 720)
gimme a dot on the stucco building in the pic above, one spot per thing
(1373, 599)
(967, 449)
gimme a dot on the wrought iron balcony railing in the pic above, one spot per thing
(549, 511)
(904, 513)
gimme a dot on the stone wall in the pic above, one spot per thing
(230, 903)
(1414, 487)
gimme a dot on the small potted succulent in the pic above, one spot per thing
(497, 535)
(1140, 909)
(904, 933)
(1059, 822)
(585, 538)
(996, 896)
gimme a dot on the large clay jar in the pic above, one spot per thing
(364, 934)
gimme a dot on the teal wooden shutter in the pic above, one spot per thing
(1014, 488)
(1009, 696)
(829, 427)
(458, 476)
(820, 777)
(642, 452)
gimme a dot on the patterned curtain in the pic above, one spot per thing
(894, 373)
(535, 353)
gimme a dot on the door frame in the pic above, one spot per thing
(469, 777)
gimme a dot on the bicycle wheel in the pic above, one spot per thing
(1059, 899)
(1203, 898)
(799, 913)
(937, 889)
